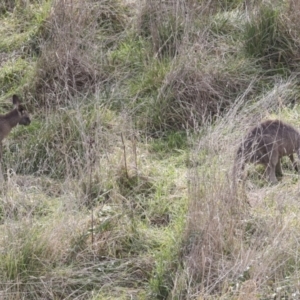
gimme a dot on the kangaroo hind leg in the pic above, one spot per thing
(295, 164)
(272, 166)
(278, 169)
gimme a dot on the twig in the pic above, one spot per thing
(125, 159)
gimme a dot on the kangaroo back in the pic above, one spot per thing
(265, 144)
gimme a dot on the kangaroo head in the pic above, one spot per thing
(22, 113)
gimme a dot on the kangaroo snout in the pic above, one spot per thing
(25, 120)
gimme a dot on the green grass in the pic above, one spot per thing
(15, 75)
(267, 37)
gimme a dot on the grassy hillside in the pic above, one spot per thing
(121, 187)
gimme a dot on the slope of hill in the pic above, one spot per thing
(121, 187)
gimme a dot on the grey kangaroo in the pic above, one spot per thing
(265, 144)
(8, 121)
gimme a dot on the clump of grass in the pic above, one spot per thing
(217, 6)
(191, 95)
(163, 25)
(70, 63)
(130, 53)
(23, 258)
(14, 75)
(94, 189)
(269, 38)
(213, 234)
(133, 184)
(168, 262)
(171, 143)
(22, 32)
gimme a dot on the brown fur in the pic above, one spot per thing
(265, 144)
(8, 121)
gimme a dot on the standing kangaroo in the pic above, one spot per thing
(265, 144)
(17, 116)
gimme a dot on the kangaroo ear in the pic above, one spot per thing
(15, 100)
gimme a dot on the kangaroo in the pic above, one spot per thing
(8, 121)
(265, 144)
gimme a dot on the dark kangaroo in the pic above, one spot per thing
(265, 144)
(8, 121)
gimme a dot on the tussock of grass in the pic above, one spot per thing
(163, 25)
(70, 63)
(15, 73)
(269, 38)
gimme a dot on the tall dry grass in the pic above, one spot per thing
(75, 39)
